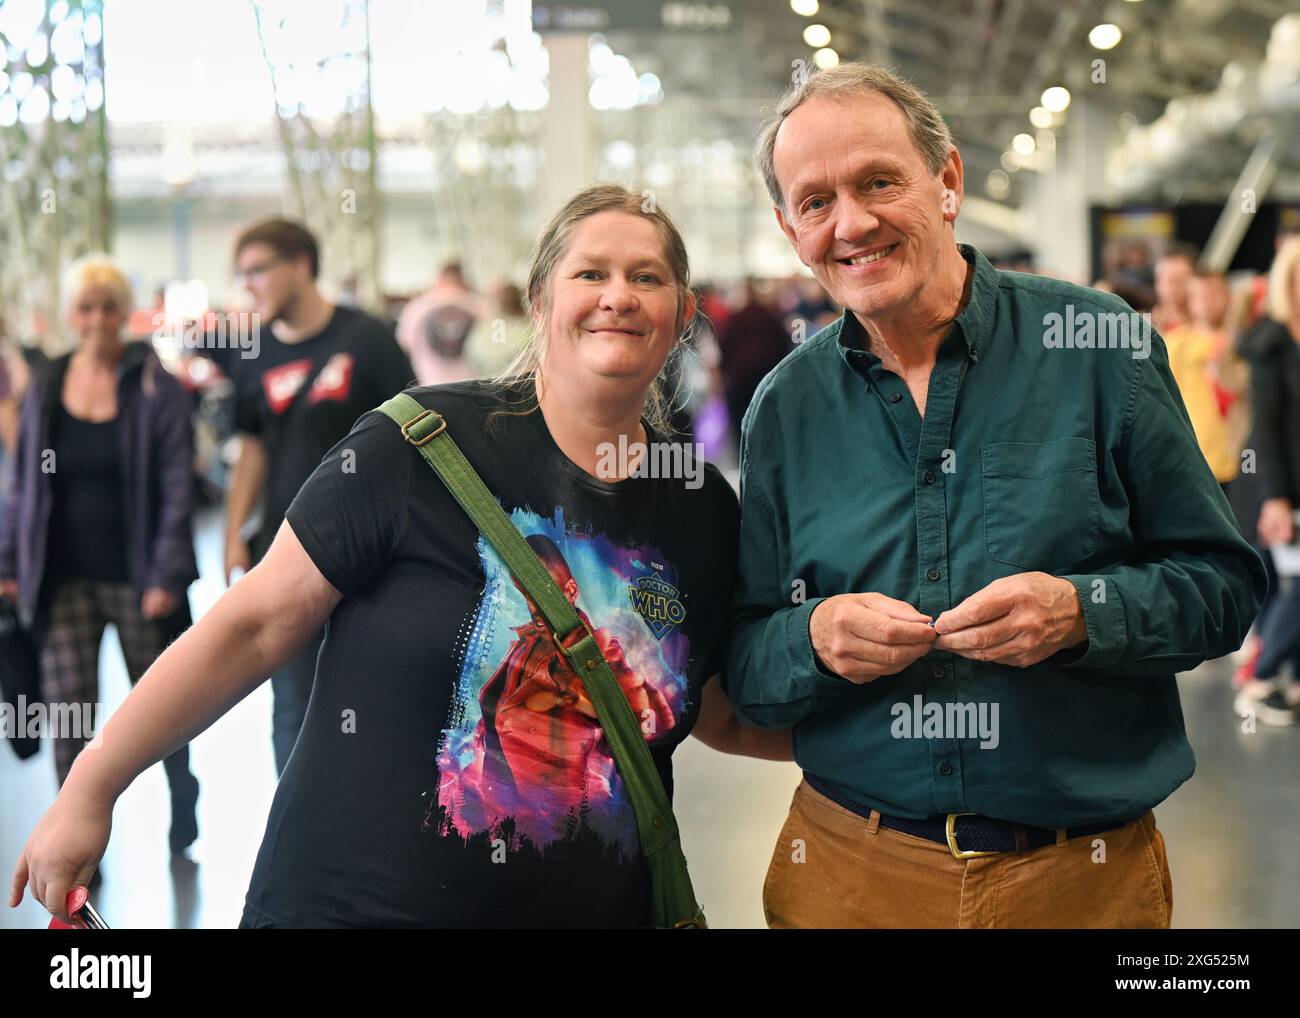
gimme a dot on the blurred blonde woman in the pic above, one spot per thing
(98, 525)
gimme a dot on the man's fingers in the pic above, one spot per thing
(894, 608)
(870, 654)
(868, 623)
(981, 607)
(985, 636)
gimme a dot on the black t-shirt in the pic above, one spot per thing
(87, 535)
(360, 365)
(450, 771)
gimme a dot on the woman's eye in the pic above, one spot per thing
(648, 278)
(588, 274)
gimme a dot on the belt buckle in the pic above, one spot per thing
(406, 428)
(950, 829)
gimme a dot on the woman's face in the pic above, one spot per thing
(614, 303)
(97, 314)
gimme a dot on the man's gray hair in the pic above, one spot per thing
(929, 130)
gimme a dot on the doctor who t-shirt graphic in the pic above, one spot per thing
(525, 759)
(451, 770)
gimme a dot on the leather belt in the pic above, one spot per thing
(967, 835)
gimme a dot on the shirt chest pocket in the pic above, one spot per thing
(1042, 510)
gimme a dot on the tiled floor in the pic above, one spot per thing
(1230, 830)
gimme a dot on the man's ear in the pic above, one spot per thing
(953, 179)
(787, 230)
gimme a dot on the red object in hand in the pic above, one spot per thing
(79, 902)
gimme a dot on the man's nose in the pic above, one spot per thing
(854, 219)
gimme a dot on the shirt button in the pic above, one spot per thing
(934, 574)
(945, 768)
(929, 477)
(937, 671)
(894, 397)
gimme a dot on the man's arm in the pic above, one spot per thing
(772, 678)
(1194, 585)
(245, 487)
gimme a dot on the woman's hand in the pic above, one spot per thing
(9, 588)
(158, 603)
(63, 850)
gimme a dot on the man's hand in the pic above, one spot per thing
(1017, 620)
(158, 603)
(864, 636)
(237, 557)
(9, 588)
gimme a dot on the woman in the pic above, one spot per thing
(450, 771)
(98, 525)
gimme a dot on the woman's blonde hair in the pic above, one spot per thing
(96, 270)
(1281, 282)
(551, 247)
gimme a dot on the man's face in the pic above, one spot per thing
(1172, 278)
(856, 188)
(1208, 300)
(273, 281)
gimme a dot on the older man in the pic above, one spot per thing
(978, 540)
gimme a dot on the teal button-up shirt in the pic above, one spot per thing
(1052, 442)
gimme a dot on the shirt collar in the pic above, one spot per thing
(974, 323)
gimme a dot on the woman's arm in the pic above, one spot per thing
(256, 627)
(718, 728)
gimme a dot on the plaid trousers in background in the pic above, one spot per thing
(74, 626)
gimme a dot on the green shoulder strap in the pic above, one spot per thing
(673, 899)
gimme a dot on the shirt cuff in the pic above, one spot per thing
(1105, 619)
(803, 658)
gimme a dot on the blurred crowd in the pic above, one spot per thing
(1232, 345)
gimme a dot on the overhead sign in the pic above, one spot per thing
(630, 15)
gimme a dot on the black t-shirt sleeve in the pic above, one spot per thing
(386, 362)
(350, 515)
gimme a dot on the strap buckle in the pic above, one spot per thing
(425, 440)
(590, 664)
(950, 829)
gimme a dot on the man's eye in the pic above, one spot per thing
(816, 204)
(588, 274)
(646, 276)
(879, 180)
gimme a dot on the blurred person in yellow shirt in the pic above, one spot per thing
(1208, 376)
